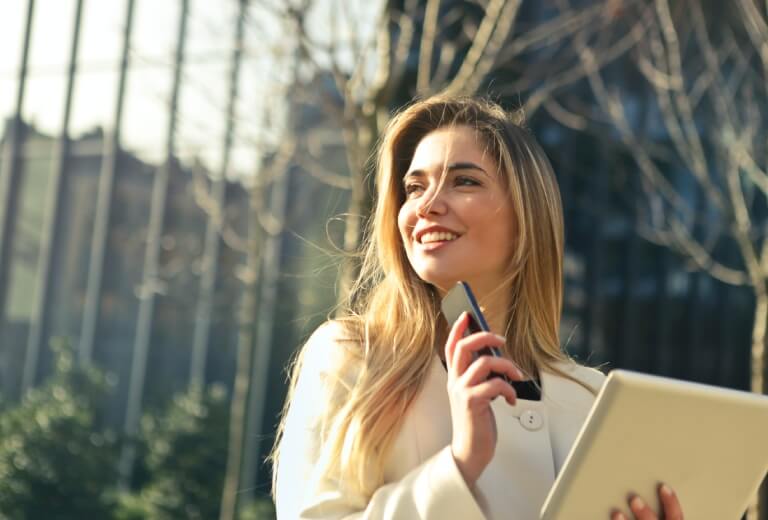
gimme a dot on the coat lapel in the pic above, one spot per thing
(534, 438)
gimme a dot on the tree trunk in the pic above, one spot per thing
(239, 403)
(758, 509)
(758, 342)
(359, 137)
(264, 318)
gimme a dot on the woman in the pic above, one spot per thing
(389, 414)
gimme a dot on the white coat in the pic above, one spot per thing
(422, 480)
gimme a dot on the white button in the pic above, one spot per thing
(531, 420)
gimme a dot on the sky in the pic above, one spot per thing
(263, 85)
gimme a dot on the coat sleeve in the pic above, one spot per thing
(433, 489)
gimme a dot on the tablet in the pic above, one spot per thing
(710, 444)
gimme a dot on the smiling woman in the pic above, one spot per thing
(375, 426)
(456, 221)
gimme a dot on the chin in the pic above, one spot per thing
(441, 282)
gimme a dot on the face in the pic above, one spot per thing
(456, 222)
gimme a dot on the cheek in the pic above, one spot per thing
(405, 224)
(497, 227)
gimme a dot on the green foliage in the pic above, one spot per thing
(186, 450)
(133, 507)
(55, 462)
(259, 509)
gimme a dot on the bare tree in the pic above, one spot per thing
(267, 214)
(421, 47)
(705, 74)
(249, 395)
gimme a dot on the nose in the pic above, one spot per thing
(433, 203)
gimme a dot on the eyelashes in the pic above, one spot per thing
(412, 187)
(459, 181)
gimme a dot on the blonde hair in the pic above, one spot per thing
(392, 318)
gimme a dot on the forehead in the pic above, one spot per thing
(448, 145)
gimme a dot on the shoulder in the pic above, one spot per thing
(330, 343)
(321, 378)
(325, 341)
(591, 377)
(330, 351)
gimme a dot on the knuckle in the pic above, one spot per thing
(675, 514)
(508, 363)
(461, 344)
(493, 339)
(484, 362)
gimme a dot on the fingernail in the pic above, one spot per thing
(501, 338)
(666, 490)
(637, 503)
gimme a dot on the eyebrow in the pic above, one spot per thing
(451, 167)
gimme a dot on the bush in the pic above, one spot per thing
(258, 509)
(55, 462)
(185, 459)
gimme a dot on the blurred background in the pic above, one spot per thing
(180, 181)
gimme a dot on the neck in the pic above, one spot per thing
(494, 304)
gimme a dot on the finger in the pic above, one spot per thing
(671, 505)
(641, 510)
(482, 367)
(457, 332)
(487, 391)
(618, 515)
(466, 347)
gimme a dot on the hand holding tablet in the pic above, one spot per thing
(707, 443)
(670, 507)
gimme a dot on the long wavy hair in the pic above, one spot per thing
(392, 318)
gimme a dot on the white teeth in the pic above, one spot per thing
(438, 237)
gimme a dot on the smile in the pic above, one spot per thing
(438, 236)
(433, 243)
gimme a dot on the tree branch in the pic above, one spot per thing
(428, 37)
(493, 31)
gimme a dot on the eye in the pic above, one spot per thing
(463, 180)
(412, 188)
